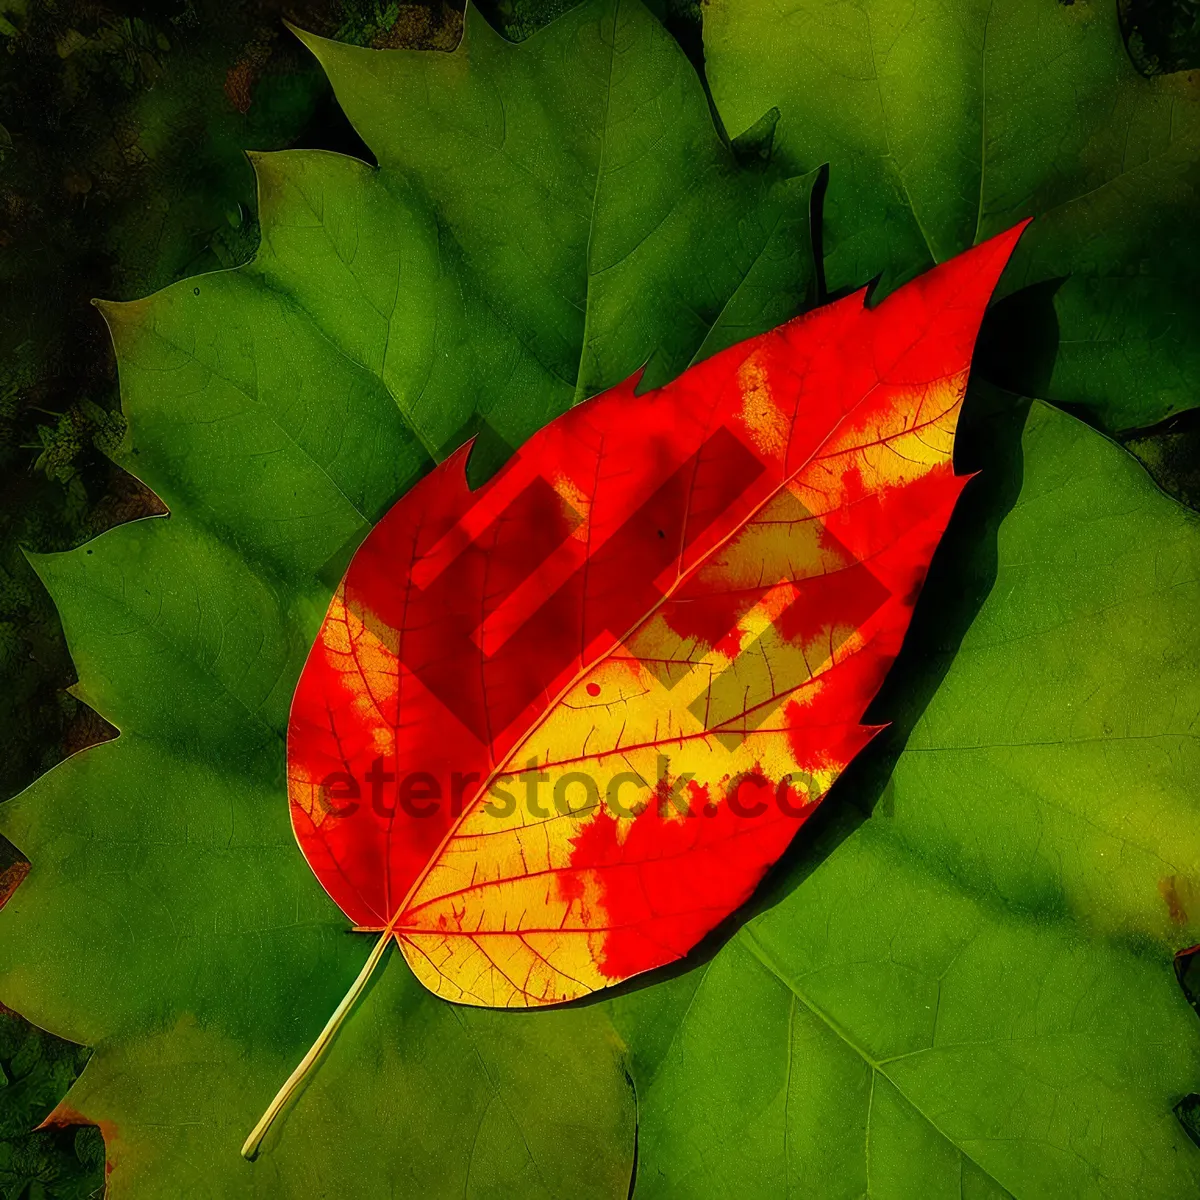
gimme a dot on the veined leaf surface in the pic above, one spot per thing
(670, 610)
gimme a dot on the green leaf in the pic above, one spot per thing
(973, 989)
(278, 409)
(595, 240)
(946, 123)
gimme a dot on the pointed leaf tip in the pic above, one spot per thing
(550, 625)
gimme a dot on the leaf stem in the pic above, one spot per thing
(296, 1078)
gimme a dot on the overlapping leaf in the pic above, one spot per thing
(686, 593)
(944, 123)
(581, 219)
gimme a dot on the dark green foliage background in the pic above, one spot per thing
(122, 127)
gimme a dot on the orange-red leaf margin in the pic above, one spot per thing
(701, 588)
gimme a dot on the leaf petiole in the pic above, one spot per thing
(296, 1078)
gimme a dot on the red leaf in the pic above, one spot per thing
(699, 589)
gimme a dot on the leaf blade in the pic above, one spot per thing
(796, 503)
